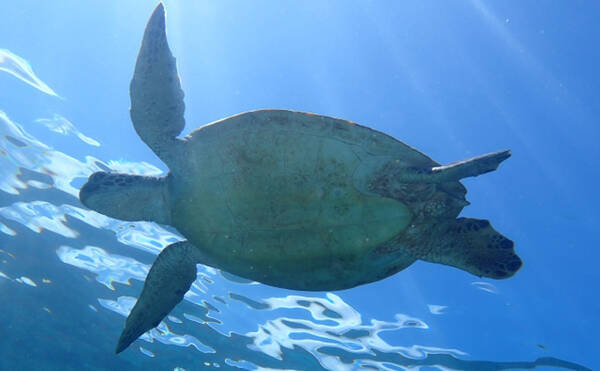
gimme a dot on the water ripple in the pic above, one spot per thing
(485, 286)
(147, 352)
(37, 216)
(436, 309)
(20, 68)
(108, 268)
(26, 280)
(61, 125)
(37, 157)
(4, 229)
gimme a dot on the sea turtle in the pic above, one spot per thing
(290, 199)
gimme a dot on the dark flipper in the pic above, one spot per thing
(169, 279)
(474, 246)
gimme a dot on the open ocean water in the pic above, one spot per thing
(452, 79)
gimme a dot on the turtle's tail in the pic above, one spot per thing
(472, 167)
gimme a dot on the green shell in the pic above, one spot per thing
(281, 196)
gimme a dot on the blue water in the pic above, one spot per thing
(453, 79)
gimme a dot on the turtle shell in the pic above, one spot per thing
(281, 197)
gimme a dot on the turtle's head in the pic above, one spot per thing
(126, 197)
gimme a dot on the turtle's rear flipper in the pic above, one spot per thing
(471, 167)
(169, 279)
(474, 246)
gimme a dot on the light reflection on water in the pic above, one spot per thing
(298, 331)
(20, 68)
(61, 125)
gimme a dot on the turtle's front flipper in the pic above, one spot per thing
(170, 277)
(156, 97)
(474, 246)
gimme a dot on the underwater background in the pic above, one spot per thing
(452, 79)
